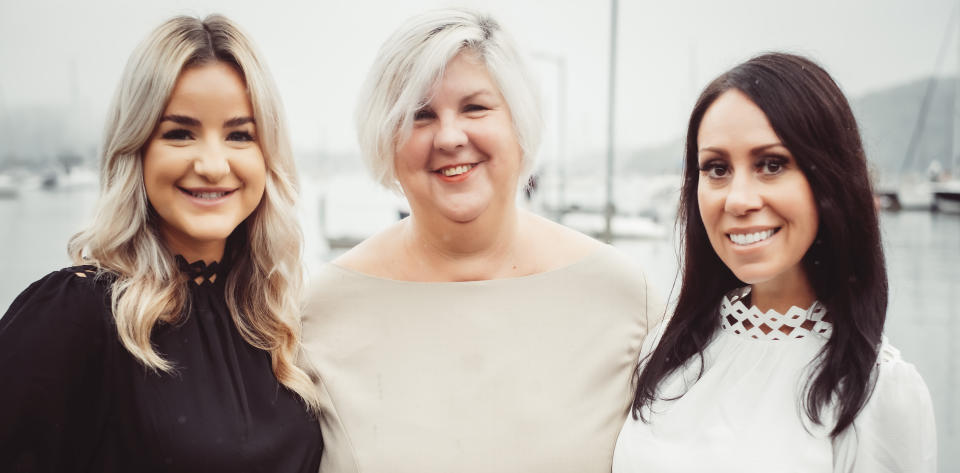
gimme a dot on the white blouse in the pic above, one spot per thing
(745, 413)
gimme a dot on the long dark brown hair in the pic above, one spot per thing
(845, 264)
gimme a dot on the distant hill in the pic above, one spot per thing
(886, 117)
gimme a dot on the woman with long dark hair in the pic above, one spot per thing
(774, 358)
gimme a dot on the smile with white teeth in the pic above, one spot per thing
(457, 170)
(207, 195)
(750, 238)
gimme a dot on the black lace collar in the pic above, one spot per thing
(201, 273)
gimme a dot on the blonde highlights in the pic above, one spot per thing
(263, 287)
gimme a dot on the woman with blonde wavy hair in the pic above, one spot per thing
(172, 345)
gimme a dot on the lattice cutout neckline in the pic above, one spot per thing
(199, 272)
(750, 322)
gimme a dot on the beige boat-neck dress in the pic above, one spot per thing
(528, 374)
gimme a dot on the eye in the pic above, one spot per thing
(771, 165)
(239, 136)
(714, 169)
(177, 134)
(473, 107)
(424, 114)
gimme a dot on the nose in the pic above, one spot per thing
(743, 195)
(212, 164)
(450, 136)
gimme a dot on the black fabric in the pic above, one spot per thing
(73, 399)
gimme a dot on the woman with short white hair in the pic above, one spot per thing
(472, 335)
(173, 346)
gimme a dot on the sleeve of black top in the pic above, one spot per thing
(53, 350)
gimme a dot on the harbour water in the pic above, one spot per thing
(922, 249)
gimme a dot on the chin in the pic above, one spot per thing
(209, 235)
(751, 275)
(463, 216)
(465, 212)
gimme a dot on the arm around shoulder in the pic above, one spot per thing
(895, 432)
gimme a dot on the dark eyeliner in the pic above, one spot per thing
(177, 134)
(240, 136)
(423, 114)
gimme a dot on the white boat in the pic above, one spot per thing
(77, 178)
(946, 196)
(8, 187)
(915, 196)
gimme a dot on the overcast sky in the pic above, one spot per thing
(63, 52)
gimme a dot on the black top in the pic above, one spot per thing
(73, 399)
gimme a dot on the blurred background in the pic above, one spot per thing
(897, 61)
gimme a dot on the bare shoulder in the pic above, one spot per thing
(559, 244)
(373, 255)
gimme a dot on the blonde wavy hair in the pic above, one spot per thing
(263, 288)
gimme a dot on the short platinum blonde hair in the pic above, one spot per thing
(412, 61)
(263, 286)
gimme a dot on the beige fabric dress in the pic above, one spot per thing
(528, 374)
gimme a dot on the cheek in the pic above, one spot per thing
(803, 207)
(811, 218)
(706, 203)
(504, 137)
(254, 175)
(710, 205)
(414, 152)
(156, 170)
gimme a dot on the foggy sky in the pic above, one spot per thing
(66, 53)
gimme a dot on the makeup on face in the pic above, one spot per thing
(462, 158)
(203, 169)
(756, 204)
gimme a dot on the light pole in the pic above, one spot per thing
(609, 209)
(560, 63)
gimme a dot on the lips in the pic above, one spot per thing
(455, 172)
(744, 238)
(207, 194)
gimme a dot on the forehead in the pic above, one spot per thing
(216, 83)
(465, 74)
(734, 120)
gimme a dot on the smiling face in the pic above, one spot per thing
(202, 168)
(755, 202)
(462, 159)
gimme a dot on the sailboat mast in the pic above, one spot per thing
(955, 146)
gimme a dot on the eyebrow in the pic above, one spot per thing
(237, 121)
(477, 93)
(181, 119)
(190, 121)
(754, 151)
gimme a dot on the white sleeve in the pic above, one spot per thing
(895, 432)
(652, 340)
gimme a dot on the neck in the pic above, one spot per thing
(784, 292)
(453, 251)
(193, 251)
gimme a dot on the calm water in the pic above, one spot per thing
(923, 256)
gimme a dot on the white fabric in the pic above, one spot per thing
(745, 413)
(527, 374)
